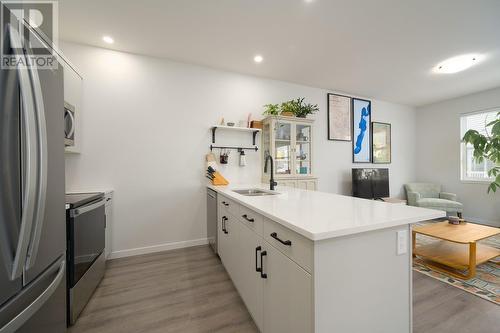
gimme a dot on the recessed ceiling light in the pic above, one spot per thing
(108, 39)
(258, 58)
(458, 63)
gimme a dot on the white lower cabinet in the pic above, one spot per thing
(288, 183)
(276, 290)
(307, 184)
(310, 184)
(251, 286)
(287, 294)
(228, 243)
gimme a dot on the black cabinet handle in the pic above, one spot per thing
(287, 242)
(257, 268)
(247, 218)
(262, 274)
(225, 203)
(224, 219)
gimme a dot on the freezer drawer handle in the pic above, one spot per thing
(29, 311)
(287, 242)
(247, 218)
(85, 209)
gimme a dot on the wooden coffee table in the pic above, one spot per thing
(456, 248)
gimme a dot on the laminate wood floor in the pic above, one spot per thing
(189, 291)
(441, 308)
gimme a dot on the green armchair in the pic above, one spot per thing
(428, 195)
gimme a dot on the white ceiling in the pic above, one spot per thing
(381, 49)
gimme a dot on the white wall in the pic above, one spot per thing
(438, 153)
(146, 131)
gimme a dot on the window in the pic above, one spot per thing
(471, 170)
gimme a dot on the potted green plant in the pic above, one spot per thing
(291, 108)
(288, 108)
(306, 109)
(271, 110)
(487, 147)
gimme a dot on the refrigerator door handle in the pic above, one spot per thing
(41, 165)
(30, 158)
(31, 309)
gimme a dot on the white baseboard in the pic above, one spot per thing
(157, 248)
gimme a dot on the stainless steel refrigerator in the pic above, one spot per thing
(32, 212)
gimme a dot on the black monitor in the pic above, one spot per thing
(370, 183)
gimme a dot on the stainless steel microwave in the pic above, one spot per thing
(69, 124)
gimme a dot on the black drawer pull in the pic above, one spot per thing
(262, 274)
(247, 218)
(224, 219)
(287, 242)
(257, 268)
(225, 203)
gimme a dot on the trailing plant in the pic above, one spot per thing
(271, 110)
(487, 147)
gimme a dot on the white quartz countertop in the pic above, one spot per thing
(319, 215)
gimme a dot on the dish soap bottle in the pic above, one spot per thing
(243, 159)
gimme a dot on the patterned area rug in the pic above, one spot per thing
(486, 283)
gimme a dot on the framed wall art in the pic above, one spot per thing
(361, 131)
(339, 117)
(381, 138)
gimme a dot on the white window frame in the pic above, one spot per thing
(463, 149)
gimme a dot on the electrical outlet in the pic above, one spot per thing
(402, 242)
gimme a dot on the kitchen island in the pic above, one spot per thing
(306, 261)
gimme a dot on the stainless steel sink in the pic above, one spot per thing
(254, 192)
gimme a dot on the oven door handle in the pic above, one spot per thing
(85, 209)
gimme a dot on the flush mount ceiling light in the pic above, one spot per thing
(258, 58)
(108, 39)
(457, 64)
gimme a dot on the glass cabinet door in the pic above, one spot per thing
(303, 149)
(283, 148)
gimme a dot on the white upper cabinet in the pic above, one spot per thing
(289, 141)
(73, 89)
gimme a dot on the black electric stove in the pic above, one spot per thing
(75, 200)
(86, 228)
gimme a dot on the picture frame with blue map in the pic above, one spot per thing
(361, 131)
